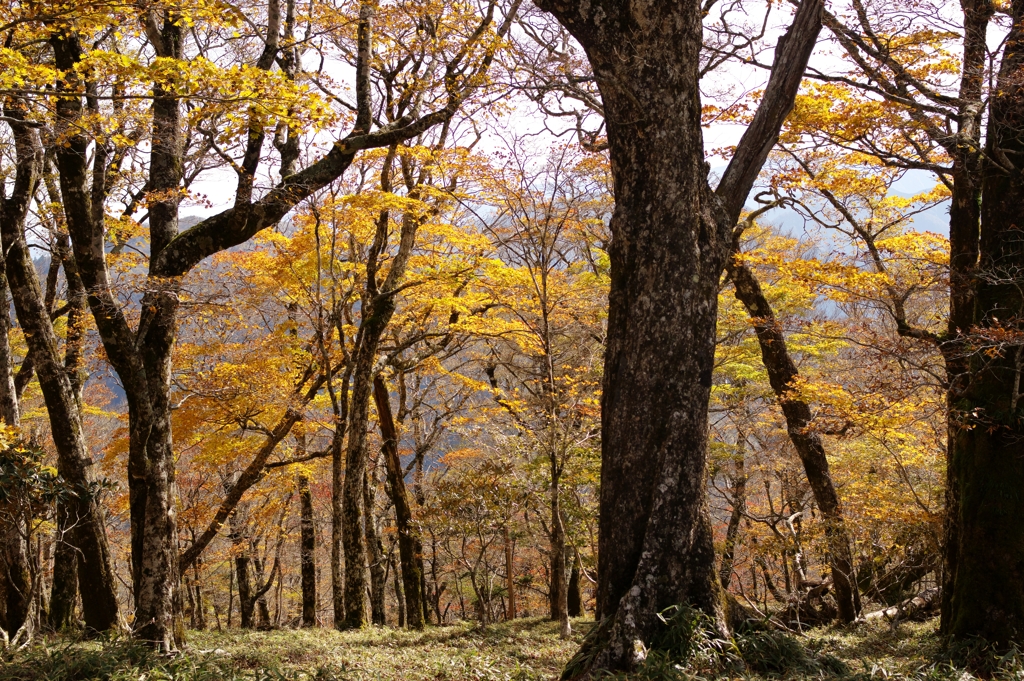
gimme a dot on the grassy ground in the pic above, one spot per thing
(523, 650)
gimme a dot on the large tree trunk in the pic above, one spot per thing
(409, 546)
(987, 599)
(61, 395)
(307, 551)
(964, 230)
(669, 244)
(782, 373)
(667, 252)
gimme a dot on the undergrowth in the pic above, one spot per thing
(524, 650)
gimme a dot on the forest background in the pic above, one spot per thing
(298, 287)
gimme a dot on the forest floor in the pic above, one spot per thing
(526, 649)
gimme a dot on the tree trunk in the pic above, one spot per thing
(9, 411)
(669, 246)
(574, 603)
(96, 577)
(987, 599)
(376, 551)
(559, 587)
(782, 373)
(409, 545)
(337, 530)
(395, 563)
(964, 232)
(17, 576)
(307, 549)
(739, 503)
(667, 252)
(240, 549)
(64, 592)
(510, 581)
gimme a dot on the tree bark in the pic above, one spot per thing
(739, 503)
(964, 232)
(307, 551)
(95, 574)
(574, 603)
(559, 573)
(655, 540)
(338, 528)
(9, 410)
(670, 238)
(510, 581)
(17, 577)
(410, 548)
(987, 599)
(782, 373)
(64, 592)
(376, 550)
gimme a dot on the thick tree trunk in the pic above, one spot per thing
(782, 373)
(964, 231)
(307, 551)
(409, 546)
(987, 599)
(670, 237)
(667, 252)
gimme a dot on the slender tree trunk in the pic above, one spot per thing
(409, 545)
(510, 580)
(307, 550)
(64, 592)
(9, 411)
(987, 599)
(739, 503)
(782, 373)
(559, 587)
(575, 597)
(376, 551)
(338, 531)
(246, 601)
(396, 565)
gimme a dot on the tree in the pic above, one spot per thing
(174, 64)
(62, 386)
(920, 103)
(669, 246)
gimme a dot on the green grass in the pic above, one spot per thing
(526, 649)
